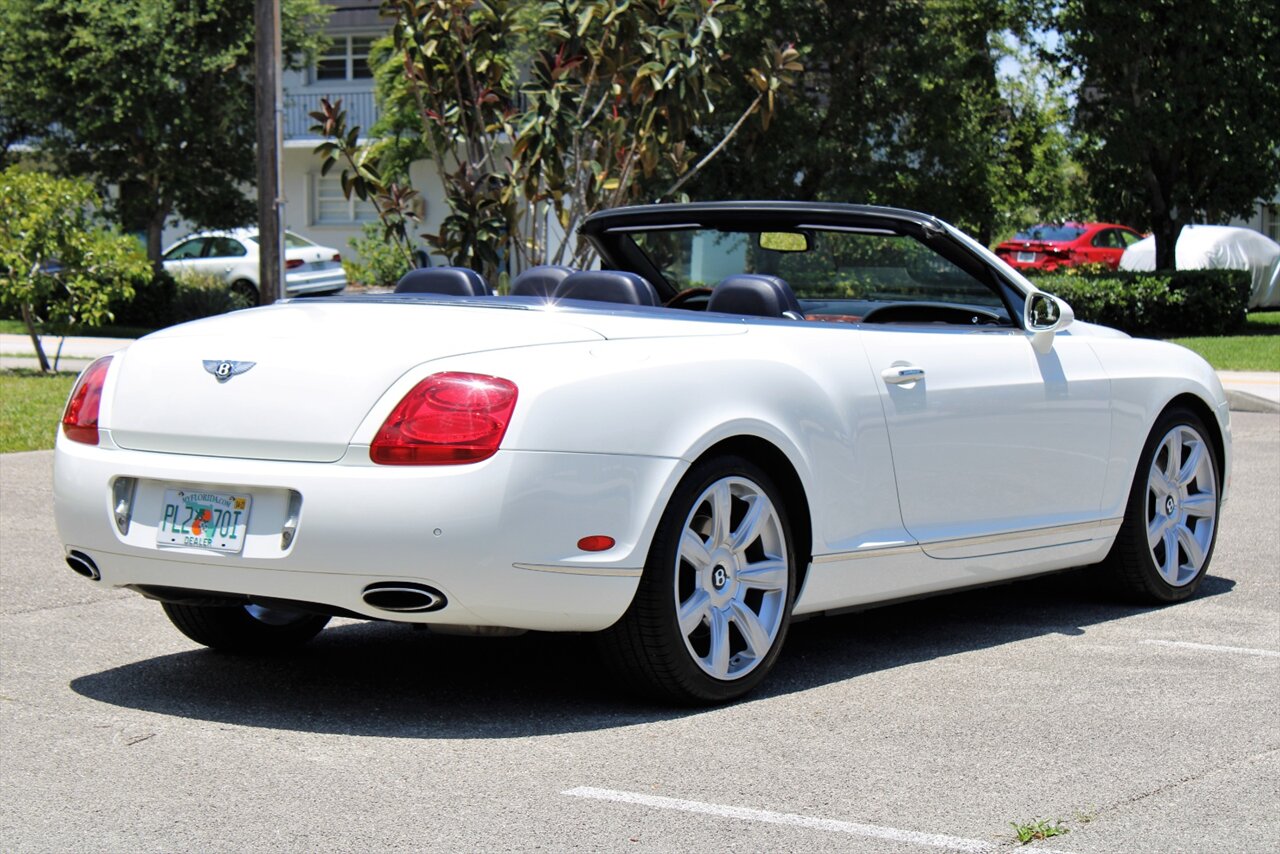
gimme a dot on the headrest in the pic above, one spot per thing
(539, 281)
(754, 294)
(607, 286)
(452, 281)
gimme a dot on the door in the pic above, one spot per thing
(989, 437)
(1105, 248)
(184, 256)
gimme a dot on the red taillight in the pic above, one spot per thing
(80, 420)
(337, 257)
(293, 263)
(446, 419)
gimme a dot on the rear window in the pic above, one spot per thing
(1053, 233)
(291, 241)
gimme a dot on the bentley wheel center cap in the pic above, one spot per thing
(719, 577)
(1170, 506)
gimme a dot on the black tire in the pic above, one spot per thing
(248, 290)
(648, 648)
(1152, 573)
(234, 628)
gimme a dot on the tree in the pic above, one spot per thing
(538, 114)
(900, 104)
(152, 96)
(54, 256)
(1178, 108)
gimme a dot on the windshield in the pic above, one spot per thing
(857, 264)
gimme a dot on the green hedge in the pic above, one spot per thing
(1158, 305)
(166, 301)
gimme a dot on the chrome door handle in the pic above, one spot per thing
(901, 374)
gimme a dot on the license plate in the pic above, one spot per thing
(216, 521)
(319, 265)
(1026, 257)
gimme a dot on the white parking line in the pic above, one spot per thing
(1211, 647)
(893, 834)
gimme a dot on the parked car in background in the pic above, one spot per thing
(1220, 247)
(310, 269)
(1050, 247)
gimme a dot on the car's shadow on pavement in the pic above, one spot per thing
(379, 679)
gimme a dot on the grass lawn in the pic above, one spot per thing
(30, 407)
(1257, 349)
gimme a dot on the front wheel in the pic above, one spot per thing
(714, 603)
(1170, 524)
(244, 628)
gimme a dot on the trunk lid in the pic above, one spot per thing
(318, 368)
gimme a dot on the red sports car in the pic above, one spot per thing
(1048, 247)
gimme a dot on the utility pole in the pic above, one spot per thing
(267, 103)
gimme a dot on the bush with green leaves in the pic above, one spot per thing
(381, 263)
(1163, 304)
(167, 300)
(198, 295)
(59, 265)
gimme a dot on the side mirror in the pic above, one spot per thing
(1043, 316)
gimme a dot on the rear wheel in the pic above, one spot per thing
(246, 289)
(244, 628)
(1170, 525)
(715, 599)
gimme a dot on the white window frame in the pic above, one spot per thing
(345, 41)
(328, 188)
(1269, 220)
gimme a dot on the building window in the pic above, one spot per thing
(1271, 221)
(346, 59)
(332, 208)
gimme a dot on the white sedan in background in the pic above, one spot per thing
(310, 269)
(868, 405)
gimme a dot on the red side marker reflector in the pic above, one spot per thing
(596, 543)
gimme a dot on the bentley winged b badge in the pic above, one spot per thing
(225, 369)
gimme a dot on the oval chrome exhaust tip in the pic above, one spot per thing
(82, 564)
(404, 597)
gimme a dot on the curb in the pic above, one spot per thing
(1243, 401)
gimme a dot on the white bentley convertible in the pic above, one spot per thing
(756, 411)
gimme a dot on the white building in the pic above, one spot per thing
(314, 205)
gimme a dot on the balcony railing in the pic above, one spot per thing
(298, 106)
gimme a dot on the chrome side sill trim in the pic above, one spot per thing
(602, 571)
(965, 542)
(870, 551)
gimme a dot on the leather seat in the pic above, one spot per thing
(450, 281)
(755, 295)
(607, 286)
(540, 281)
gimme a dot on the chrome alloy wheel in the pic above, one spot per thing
(731, 578)
(1182, 503)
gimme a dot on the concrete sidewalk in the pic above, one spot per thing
(1248, 391)
(73, 353)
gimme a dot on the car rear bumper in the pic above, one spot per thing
(318, 282)
(497, 538)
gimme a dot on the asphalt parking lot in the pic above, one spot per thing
(930, 725)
